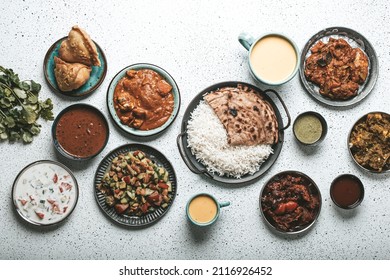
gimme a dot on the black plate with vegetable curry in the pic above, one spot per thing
(135, 185)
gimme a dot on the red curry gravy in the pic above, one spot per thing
(82, 132)
(143, 99)
(347, 191)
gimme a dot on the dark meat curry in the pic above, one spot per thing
(370, 142)
(290, 203)
(143, 99)
(337, 68)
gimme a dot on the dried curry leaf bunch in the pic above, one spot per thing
(20, 108)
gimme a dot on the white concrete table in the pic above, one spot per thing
(196, 42)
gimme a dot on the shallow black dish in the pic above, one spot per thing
(355, 39)
(198, 168)
(126, 220)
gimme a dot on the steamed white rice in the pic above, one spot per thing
(207, 139)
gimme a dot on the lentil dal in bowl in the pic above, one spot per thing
(80, 132)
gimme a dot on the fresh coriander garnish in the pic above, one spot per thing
(20, 108)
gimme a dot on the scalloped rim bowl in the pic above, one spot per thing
(355, 39)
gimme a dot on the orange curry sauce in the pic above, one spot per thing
(143, 99)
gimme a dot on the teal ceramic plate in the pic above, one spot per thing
(110, 100)
(97, 75)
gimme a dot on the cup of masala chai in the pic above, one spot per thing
(80, 132)
(203, 209)
(310, 128)
(347, 191)
(273, 58)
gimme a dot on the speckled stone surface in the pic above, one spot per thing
(196, 42)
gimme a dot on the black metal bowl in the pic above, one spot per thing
(352, 149)
(311, 187)
(195, 166)
(57, 144)
(323, 124)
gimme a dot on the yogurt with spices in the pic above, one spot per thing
(45, 192)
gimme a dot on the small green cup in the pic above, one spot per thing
(204, 199)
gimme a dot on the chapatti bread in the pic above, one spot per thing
(248, 118)
(218, 100)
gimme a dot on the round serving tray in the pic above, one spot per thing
(356, 40)
(97, 76)
(195, 166)
(127, 220)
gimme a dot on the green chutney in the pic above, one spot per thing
(308, 129)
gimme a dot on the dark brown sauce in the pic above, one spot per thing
(347, 191)
(82, 132)
(143, 99)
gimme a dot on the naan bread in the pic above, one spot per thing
(79, 47)
(248, 118)
(70, 76)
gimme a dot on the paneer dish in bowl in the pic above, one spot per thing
(143, 100)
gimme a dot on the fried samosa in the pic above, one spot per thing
(80, 48)
(70, 76)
